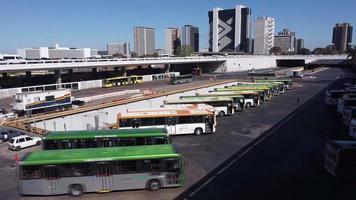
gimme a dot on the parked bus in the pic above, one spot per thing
(120, 81)
(252, 98)
(264, 94)
(42, 101)
(288, 83)
(268, 90)
(176, 121)
(187, 78)
(340, 159)
(78, 171)
(345, 100)
(352, 128)
(238, 100)
(223, 105)
(348, 113)
(278, 86)
(104, 138)
(266, 74)
(331, 96)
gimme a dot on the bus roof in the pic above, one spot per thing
(343, 144)
(199, 99)
(241, 92)
(274, 80)
(220, 94)
(49, 157)
(143, 132)
(115, 78)
(241, 89)
(164, 112)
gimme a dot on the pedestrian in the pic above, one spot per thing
(298, 100)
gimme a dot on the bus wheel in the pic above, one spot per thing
(154, 185)
(198, 131)
(221, 114)
(76, 191)
(248, 105)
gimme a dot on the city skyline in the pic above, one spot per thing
(83, 24)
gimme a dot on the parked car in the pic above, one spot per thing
(23, 141)
(7, 135)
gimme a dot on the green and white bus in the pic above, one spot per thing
(288, 83)
(104, 138)
(275, 84)
(223, 105)
(239, 100)
(252, 97)
(78, 171)
(177, 121)
(187, 78)
(266, 92)
(273, 88)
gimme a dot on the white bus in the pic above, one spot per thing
(42, 101)
(223, 105)
(331, 96)
(252, 97)
(352, 128)
(176, 121)
(346, 100)
(348, 113)
(340, 159)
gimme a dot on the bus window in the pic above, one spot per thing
(30, 172)
(51, 172)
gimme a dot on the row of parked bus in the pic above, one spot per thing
(139, 153)
(340, 155)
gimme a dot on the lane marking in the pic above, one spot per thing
(202, 185)
(227, 166)
(246, 151)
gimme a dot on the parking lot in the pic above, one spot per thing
(201, 153)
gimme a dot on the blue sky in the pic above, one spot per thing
(94, 23)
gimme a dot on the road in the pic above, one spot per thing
(284, 163)
(206, 152)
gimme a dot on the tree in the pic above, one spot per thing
(319, 51)
(275, 50)
(184, 51)
(304, 51)
(133, 55)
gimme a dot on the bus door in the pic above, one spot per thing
(171, 126)
(53, 184)
(104, 177)
(256, 99)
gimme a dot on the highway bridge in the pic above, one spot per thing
(216, 63)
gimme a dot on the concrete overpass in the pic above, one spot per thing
(221, 63)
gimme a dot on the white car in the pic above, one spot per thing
(23, 141)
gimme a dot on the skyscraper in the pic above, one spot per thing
(230, 29)
(190, 37)
(285, 40)
(144, 40)
(172, 40)
(342, 36)
(264, 35)
(118, 48)
(299, 45)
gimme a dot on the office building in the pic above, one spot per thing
(122, 49)
(190, 37)
(57, 52)
(299, 45)
(173, 36)
(230, 29)
(144, 40)
(342, 36)
(264, 35)
(285, 40)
